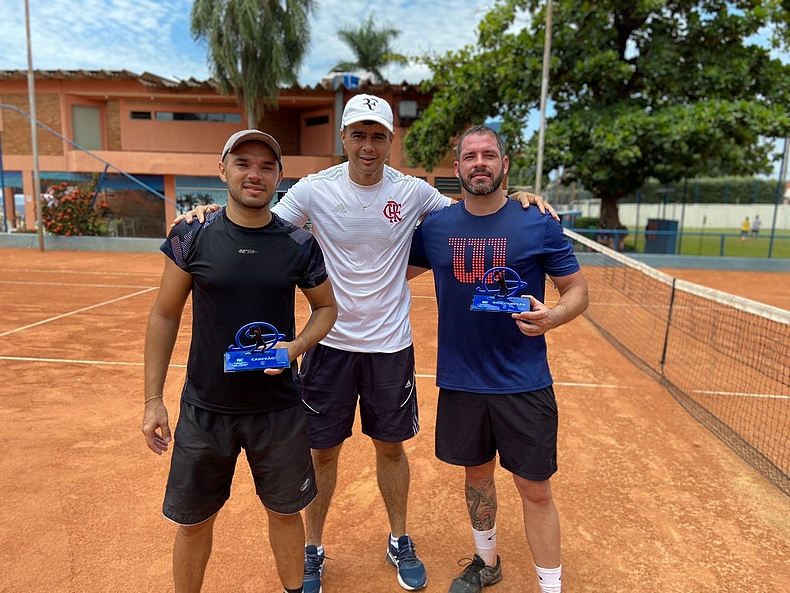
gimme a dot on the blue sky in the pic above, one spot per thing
(153, 35)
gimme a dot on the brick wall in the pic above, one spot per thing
(16, 128)
(113, 124)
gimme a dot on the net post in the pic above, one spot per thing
(669, 324)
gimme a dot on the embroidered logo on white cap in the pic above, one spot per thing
(368, 108)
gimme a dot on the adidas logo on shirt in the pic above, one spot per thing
(339, 209)
(408, 384)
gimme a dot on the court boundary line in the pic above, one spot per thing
(75, 361)
(27, 283)
(86, 272)
(743, 394)
(43, 321)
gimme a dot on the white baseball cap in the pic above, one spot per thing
(368, 108)
(246, 135)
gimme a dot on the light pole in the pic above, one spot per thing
(544, 91)
(779, 193)
(31, 90)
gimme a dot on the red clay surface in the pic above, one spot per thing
(650, 501)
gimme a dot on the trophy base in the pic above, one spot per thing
(255, 360)
(496, 304)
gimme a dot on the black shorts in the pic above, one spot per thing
(332, 380)
(522, 427)
(207, 445)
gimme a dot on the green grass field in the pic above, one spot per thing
(719, 242)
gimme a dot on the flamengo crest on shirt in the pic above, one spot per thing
(392, 211)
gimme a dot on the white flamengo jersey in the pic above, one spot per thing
(366, 249)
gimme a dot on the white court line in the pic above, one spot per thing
(738, 394)
(19, 329)
(79, 272)
(70, 361)
(71, 284)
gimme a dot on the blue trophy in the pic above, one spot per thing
(496, 290)
(254, 349)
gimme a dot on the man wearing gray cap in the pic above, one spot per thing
(363, 213)
(241, 266)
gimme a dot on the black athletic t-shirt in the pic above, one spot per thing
(239, 276)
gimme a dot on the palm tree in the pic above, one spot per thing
(371, 47)
(254, 46)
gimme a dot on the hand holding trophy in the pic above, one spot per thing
(499, 299)
(255, 350)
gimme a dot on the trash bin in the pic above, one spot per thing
(661, 236)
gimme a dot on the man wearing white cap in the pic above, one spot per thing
(241, 266)
(363, 214)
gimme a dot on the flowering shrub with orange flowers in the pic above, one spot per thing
(68, 210)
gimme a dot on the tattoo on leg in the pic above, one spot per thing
(481, 503)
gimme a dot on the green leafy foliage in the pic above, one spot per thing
(647, 89)
(70, 210)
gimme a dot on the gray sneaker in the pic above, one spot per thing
(476, 576)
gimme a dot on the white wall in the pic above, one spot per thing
(694, 216)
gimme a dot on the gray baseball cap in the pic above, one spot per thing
(247, 135)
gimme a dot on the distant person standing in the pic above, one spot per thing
(745, 229)
(756, 225)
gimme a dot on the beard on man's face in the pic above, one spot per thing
(482, 189)
(253, 203)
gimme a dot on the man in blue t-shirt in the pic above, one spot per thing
(241, 266)
(496, 392)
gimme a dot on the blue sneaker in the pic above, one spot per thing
(313, 569)
(411, 571)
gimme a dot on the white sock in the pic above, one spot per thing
(485, 545)
(320, 549)
(550, 579)
(393, 541)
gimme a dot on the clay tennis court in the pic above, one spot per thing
(650, 501)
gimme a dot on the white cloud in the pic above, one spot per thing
(153, 35)
(426, 26)
(136, 35)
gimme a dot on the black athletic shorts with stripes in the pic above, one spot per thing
(522, 427)
(333, 379)
(207, 445)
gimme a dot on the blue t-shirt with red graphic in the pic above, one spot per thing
(484, 352)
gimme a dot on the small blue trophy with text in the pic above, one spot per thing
(254, 349)
(496, 290)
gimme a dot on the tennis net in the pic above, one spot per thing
(724, 358)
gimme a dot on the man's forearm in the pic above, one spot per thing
(318, 325)
(159, 342)
(572, 303)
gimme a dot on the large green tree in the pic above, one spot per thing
(641, 88)
(254, 46)
(372, 49)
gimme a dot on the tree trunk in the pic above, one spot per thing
(609, 214)
(610, 219)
